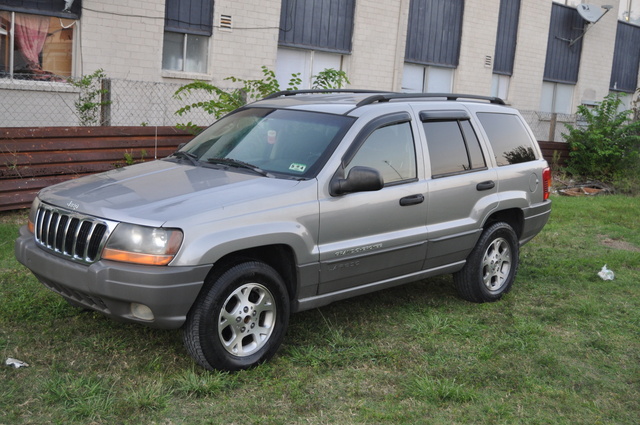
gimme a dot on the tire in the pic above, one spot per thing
(239, 319)
(491, 266)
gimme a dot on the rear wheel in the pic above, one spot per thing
(240, 318)
(491, 267)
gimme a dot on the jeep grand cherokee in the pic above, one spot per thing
(290, 203)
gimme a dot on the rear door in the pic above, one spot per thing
(462, 188)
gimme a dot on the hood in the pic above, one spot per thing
(155, 192)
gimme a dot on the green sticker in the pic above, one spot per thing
(298, 167)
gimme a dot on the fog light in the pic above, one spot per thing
(141, 311)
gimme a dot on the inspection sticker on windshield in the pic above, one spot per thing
(297, 167)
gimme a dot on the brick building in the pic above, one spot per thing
(539, 55)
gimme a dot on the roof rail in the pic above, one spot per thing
(321, 91)
(385, 97)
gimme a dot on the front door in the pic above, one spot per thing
(369, 237)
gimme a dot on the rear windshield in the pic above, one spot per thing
(509, 138)
(282, 142)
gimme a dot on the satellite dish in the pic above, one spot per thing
(590, 13)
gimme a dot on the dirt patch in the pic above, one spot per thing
(14, 217)
(618, 243)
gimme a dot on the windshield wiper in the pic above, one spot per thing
(187, 155)
(239, 164)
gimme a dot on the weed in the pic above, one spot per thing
(129, 158)
(608, 146)
(91, 99)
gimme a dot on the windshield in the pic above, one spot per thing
(270, 141)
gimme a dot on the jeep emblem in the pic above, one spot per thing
(73, 205)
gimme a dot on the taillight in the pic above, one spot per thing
(546, 183)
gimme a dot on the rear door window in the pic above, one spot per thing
(509, 138)
(453, 145)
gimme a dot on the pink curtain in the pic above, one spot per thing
(31, 33)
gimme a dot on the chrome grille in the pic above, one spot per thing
(70, 234)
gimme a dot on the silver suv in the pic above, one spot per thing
(291, 203)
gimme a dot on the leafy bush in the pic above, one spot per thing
(225, 101)
(608, 147)
(91, 98)
(330, 79)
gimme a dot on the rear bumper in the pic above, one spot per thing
(110, 287)
(535, 218)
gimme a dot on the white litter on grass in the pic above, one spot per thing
(15, 363)
(605, 273)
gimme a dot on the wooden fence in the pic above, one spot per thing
(33, 158)
(558, 149)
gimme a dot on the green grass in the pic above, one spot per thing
(562, 348)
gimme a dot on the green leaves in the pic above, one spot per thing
(91, 98)
(224, 101)
(607, 146)
(330, 79)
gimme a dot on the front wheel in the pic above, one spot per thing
(491, 267)
(240, 318)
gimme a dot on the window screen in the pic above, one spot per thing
(510, 140)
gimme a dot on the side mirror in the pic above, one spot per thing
(360, 179)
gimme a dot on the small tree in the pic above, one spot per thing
(608, 146)
(91, 98)
(330, 79)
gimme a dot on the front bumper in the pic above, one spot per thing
(110, 287)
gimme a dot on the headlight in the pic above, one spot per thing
(32, 215)
(142, 245)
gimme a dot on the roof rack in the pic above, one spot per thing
(322, 91)
(385, 97)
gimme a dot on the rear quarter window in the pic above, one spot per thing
(509, 138)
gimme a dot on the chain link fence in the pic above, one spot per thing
(547, 126)
(123, 103)
(146, 103)
(141, 103)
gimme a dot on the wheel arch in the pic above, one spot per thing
(514, 217)
(280, 257)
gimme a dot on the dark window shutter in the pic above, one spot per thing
(506, 39)
(563, 60)
(317, 24)
(44, 7)
(189, 16)
(626, 58)
(434, 33)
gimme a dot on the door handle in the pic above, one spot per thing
(411, 200)
(489, 184)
